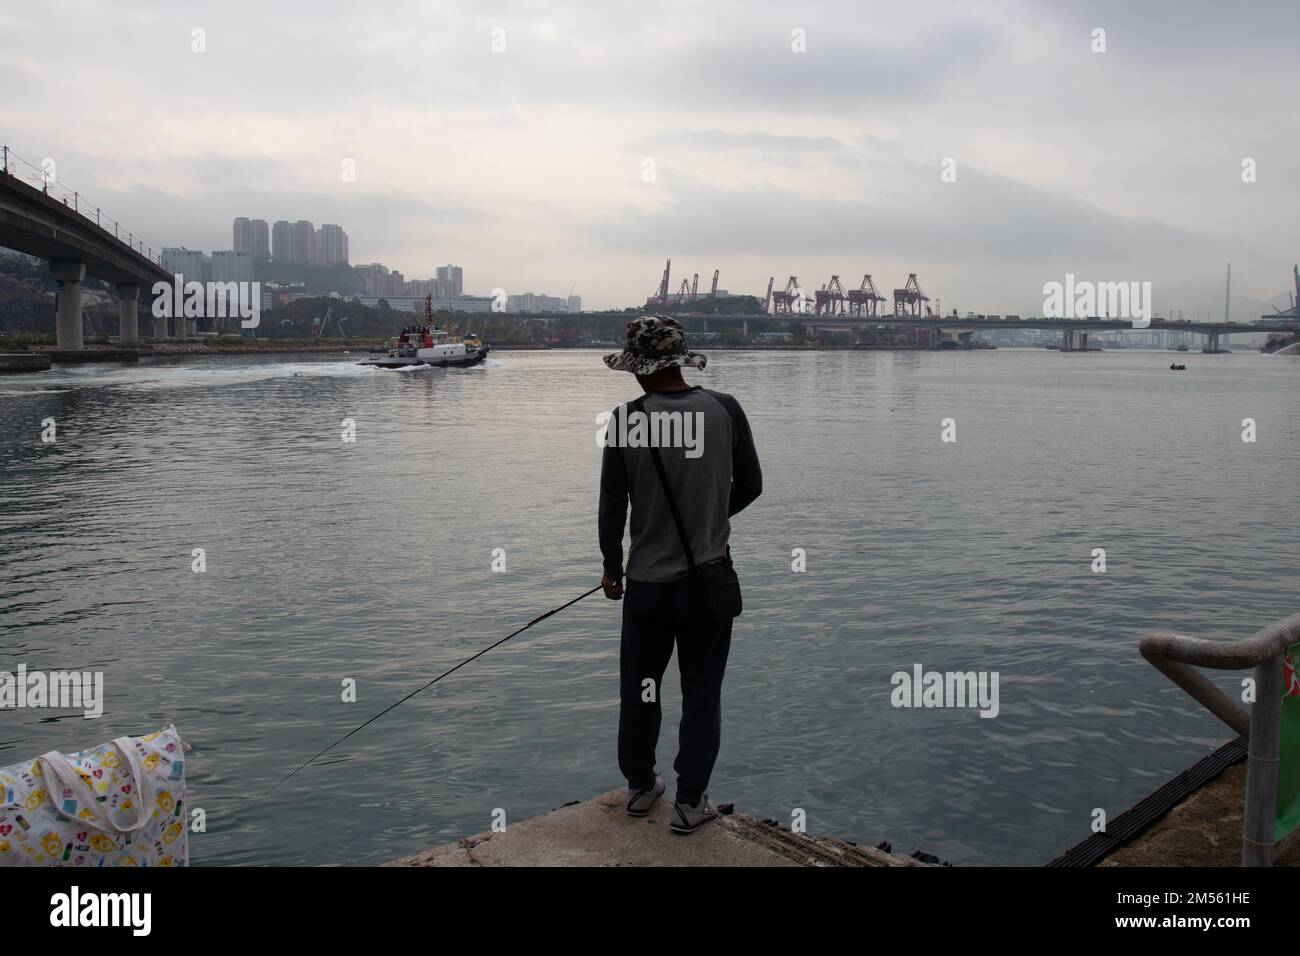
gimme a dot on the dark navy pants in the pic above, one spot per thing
(654, 615)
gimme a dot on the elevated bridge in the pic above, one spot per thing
(77, 241)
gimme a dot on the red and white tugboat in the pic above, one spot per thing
(426, 345)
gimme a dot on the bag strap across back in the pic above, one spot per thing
(639, 405)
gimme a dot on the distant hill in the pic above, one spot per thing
(27, 298)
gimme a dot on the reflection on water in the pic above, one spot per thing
(329, 560)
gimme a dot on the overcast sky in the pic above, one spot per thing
(527, 165)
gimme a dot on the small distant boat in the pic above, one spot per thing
(426, 345)
(1178, 368)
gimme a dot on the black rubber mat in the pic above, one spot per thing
(1148, 810)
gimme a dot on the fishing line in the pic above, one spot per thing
(424, 687)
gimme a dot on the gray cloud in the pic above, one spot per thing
(524, 165)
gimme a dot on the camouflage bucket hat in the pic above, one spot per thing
(654, 343)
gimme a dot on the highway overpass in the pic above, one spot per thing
(69, 235)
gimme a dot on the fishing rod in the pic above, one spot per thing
(418, 690)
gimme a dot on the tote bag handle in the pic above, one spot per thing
(63, 772)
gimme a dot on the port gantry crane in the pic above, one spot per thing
(783, 301)
(907, 300)
(865, 300)
(767, 300)
(689, 291)
(660, 294)
(830, 298)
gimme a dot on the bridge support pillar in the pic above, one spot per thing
(1083, 341)
(128, 320)
(68, 275)
(1213, 344)
(744, 328)
(160, 326)
(1067, 341)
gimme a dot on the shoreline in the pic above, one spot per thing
(1193, 820)
(286, 347)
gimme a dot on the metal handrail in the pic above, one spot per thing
(36, 177)
(1176, 656)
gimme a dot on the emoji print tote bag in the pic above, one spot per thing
(119, 804)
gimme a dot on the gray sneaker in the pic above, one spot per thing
(688, 818)
(639, 802)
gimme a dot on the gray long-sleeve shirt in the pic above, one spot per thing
(713, 471)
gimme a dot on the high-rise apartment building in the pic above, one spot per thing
(303, 235)
(452, 280)
(282, 241)
(332, 245)
(288, 241)
(261, 240)
(251, 235)
(241, 234)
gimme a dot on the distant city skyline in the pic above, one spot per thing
(448, 282)
(286, 241)
(221, 265)
(761, 139)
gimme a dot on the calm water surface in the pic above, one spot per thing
(371, 560)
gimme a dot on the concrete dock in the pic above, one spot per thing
(600, 833)
(82, 356)
(12, 362)
(1196, 819)
(1203, 830)
(1200, 826)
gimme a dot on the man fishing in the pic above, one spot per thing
(685, 458)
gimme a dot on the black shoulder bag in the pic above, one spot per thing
(715, 581)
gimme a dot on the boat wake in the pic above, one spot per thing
(452, 370)
(146, 377)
